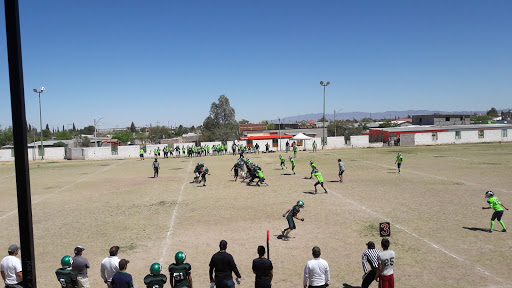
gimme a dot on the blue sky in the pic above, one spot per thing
(167, 61)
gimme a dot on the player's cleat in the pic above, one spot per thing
(504, 230)
(267, 184)
(286, 238)
(325, 191)
(282, 232)
(315, 191)
(204, 184)
(257, 184)
(490, 230)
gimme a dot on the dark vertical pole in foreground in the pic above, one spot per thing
(19, 124)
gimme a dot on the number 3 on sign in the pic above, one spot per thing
(385, 229)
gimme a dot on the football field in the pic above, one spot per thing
(438, 228)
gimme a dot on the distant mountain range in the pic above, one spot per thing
(377, 115)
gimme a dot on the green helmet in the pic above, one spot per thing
(155, 269)
(180, 257)
(66, 261)
(300, 203)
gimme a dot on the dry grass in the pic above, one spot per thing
(434, 206)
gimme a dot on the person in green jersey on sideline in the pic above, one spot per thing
(282, 162)
(497, 206)
(293, 164)
(314, 145)
(295, 149)
(180, 272)
(313, 168)
(141, 154)
(399, 161)
(155, 279)
(320, 179)
(66, 276)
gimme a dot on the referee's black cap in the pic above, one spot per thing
(370, 245)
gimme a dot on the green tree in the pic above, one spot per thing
(74, 128)
(493, 112)
(323, 119)
(89, 130)
(271, 126)
(244, 121)
(59, 144)
(220, 125)
(123, 136)
(63, 135)
(85, 142)
(6, 137)
(159, 132)
(132, 128)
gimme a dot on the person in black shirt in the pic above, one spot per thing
(263, 269)
(224, 265)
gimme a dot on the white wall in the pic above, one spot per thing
(359, 141)
(50, 153)
(131, 151)
(97, 153)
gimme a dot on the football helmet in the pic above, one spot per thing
(180, 257)
(300, 203)
(311, 162)
(489, 194)
(155, 269)
(316, 171)
(66, 261)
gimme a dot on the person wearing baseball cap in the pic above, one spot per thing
(370, 256)
(11, 268)
(80, 265)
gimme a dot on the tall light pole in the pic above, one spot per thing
(323, 119)
(96, 123)
(40, 120)
(335, 121)
(279, 142)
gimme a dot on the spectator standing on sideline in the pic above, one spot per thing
(224, 265)
(316, 272)
(342, 169)
(314, 145)
(155, 279)
(110, 265)
(287, 146)
(370, 255)
(295, 148)
(263, 269)
(257, 148)
(266, 147)
(141, 153)
(66, 276)
(10, 268)
(80, 265)
(386, 260)
(156, 168)
(122, 279)
(180, 272)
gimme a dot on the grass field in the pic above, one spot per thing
(437, 231)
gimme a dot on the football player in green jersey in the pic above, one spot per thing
(180, 272)
(497, 206)
(155, 279)
(399, 161)
(66, 276)
(293, 163)
(320, 179)
(282, 162)
(290, 214)
(313, 168)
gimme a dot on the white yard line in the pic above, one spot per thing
(63, 188)
(174, 214)
(442, 178)
(437, 247)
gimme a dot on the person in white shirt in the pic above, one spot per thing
(386, 260)
(11, 268)
(110, 265)
(316, 272)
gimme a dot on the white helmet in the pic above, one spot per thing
(399, 154)
(489, 194)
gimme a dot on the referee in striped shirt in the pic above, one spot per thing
(370, 256)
